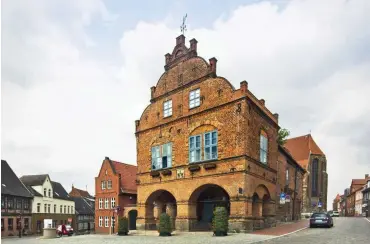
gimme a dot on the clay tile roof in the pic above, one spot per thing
(128, 176)
(82, 193)
(301, 147)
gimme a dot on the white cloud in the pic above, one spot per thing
(64, 111)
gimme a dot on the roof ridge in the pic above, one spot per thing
(123, 163)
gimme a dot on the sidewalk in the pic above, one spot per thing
(283, 229)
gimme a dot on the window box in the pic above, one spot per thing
(194, 168)
(154, 173)
(166, 172)
(209, 166)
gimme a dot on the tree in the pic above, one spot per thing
(220, 221)
(122, 226)
(165, 225)
(282, 136)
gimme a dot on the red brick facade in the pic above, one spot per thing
(234, 118)
(119, 190)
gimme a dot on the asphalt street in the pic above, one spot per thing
(345, 231)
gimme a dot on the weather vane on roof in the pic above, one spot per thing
(183, 26)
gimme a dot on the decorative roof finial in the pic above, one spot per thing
(183, 26)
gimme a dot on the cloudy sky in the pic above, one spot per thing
(77, 74)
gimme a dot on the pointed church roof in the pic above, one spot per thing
(302, 147)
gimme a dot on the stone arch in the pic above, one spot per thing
(202, 202)
(158, 202)
(261, 191)
(212, 123)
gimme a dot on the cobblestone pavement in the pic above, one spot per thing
(148, 238)
(345, 231)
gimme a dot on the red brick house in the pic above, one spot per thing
(115, 186)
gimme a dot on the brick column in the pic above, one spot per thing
(145, 216)
(186, 216)
(238, 215)
(171, 211)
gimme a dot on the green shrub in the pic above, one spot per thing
(165, 225)
(122, 226)
(220, 222)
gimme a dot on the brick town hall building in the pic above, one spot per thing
(202, 143)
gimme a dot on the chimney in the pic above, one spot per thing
(213, 65)
(262, 101)
(152, 90)
(244, 86)
(193, 44)
(276, 115)
(137, 123)
(168, 58)
(106, 158)
(180, 40)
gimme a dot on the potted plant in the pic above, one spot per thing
(220, 222)
(122, 226)
(165, 226)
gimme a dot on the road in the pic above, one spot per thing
(345, 231)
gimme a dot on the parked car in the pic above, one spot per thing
(321, 219)
(64, 230)
(335, 214)
(330, 213)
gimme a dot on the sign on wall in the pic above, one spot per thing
(282, 198)
(180, 173)
(287, 198)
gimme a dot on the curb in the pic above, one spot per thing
(367, 219)
(275, 237)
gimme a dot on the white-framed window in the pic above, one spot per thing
(106, 203)
(100, 203)
(287, 177)
(100, 221)
(195, 148)
(109, 186)
(263, 147)
(113, 202)
(111, 221)
(209, 147)
(106, 221)
(68, 209)
(72, 210)
(162, 156)
(167, 108)
(103, 185)
(194, 98)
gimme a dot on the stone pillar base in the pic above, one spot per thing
(49, 233)
(240, 225)
(185, 224)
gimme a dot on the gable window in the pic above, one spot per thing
(38, 207)
(48, 208)
(26, 204)
(100, 221)
(49, 193)
(100, 203)
(10, 203)
(113, 202)
(106, 221)
(44, 192)
(263, 147)
(167, 108)
(106, 203)
(209, 150)
(55, 208)
(19, 204)
(103, 185)
(162, 156)
(109, 184)
(194, 98)
(45, 208)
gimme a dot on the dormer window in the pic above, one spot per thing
(49, 193)
(103, 185)
(167, 108)
(194, 98)
(44, 192)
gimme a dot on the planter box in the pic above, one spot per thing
(209, 166)
(167, 172)
(193, 168)
(154, 173)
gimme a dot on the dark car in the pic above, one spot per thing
(321, 219)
